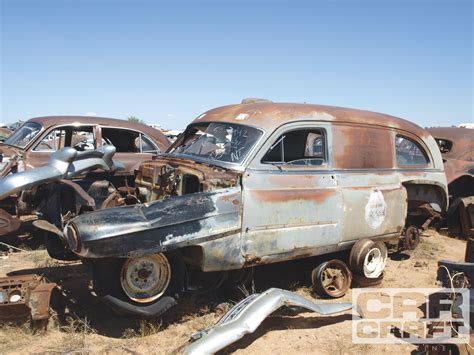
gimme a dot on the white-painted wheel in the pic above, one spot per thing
(146, 278)
(368, 258)
(374, 263)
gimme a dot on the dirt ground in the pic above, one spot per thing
(82, 324)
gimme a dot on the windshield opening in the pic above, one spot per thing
(225, 142)
(24, 135)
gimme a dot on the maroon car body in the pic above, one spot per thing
(37, 138)
(32, 145)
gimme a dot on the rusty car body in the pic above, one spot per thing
(257, 183)
(32, 145)
(4, 133)
(457, 148)
(25, 298)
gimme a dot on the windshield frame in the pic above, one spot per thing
(30, 142)
(209, 161)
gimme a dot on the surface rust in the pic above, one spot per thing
(24, 298)
(315, 195)
(459, 159)
(362, 148)
(271, 115)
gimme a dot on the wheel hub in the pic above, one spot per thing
(145, 279)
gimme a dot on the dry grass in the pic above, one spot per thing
(75, 337)
(11, 337)
(285, 331)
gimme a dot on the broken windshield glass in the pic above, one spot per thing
(226, 142)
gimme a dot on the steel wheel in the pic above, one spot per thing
(146, 278)
(332, 278)
(368, 258)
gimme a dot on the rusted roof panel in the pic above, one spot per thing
(272, 115)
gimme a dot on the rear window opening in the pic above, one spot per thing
(409, 153)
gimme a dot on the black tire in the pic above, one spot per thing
(358, 255)
(361, 281)
(205, 282)
(107, 273)
(339, 284)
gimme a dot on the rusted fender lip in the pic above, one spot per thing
(247, 315)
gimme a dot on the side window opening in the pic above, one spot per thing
(125, 141)
(298, 147)
(409, 153)
(53, 141)
(80, 138)
(146, 146)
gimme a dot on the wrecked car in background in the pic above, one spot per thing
(457, 148)
(37, 140)
(258, 183)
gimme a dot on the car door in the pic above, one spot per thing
(292, 204)
(132, 147)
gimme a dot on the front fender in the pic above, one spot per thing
(132, 231)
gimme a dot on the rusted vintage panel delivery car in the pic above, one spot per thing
(258, 183)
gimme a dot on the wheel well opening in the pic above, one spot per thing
(424, 201)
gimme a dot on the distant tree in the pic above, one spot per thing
(135, 119)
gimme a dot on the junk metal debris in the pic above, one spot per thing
(247, 315)
(25, 298)
(21, 189)
(66, 163)
(456, 274)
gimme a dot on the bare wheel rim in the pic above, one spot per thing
(335, 281)
(146, 278)
(374, 263)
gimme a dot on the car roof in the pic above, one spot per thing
(270, 116)
(155, 134)
(452, 133)
(462, 139)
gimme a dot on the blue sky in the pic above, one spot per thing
(168, 61)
